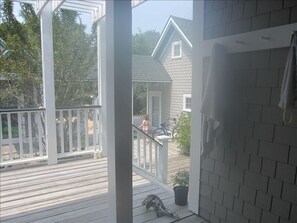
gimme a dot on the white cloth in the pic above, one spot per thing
(213, 99)
(288, 95)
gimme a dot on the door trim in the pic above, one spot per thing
(155, 94)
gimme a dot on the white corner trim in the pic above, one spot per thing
(275, 37)
(182, 33)
(165, 31)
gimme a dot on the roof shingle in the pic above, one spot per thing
(148, 69)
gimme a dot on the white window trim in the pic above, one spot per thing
(176, 43)
(185, 96)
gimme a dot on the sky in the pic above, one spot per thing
(150, 15)
(153, 14)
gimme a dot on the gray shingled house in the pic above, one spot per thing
(167, 72)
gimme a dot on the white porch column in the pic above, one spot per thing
(101, 53)
(118, 108)
(163, 154)
(48, 83)
(132, 107)
(197, 72)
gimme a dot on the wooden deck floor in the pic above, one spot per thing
(176, 161)
(73, 192)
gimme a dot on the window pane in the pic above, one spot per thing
(177, 50)
(188, 103)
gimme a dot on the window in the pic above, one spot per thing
(187, 102)
(176, 49)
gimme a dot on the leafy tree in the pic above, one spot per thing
(183, 132)
(139, 98)
(74, 58)
(21, 70)
(74, 53)
(142, 44)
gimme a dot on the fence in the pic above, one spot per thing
(22, 133)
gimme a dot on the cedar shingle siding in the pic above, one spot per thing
(180, 71)
(251, 175)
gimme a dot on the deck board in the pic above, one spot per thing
(73, 191)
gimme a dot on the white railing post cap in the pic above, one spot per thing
(163, 137)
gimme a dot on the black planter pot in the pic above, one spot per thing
(181, 195)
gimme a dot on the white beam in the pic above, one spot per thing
(118, 93)
(197, 73)
(105, 119)
(40, 5)
(99, 13)
(56, 4)
(48, 83)
(135, 3)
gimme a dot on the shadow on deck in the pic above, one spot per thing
(74, 191)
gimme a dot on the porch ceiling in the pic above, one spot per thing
(96, 8)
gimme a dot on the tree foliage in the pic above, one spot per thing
(139, 98)
(21, 73)
(183, 132)
(21, 70)
(142, 44)
(74, 57)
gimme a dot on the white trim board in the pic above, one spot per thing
(197, 71)
(164, 33)
(275, 37)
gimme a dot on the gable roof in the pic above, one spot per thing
(148, 69)
(182, 26)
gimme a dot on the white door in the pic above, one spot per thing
(155, 108)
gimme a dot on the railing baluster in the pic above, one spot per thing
(9, 136)
(144, 152)
(61, 130)
(94, 128)
(156, 160)
(150, 156)
(78, 131)
(39, 127)
(70, 130)
(30, 134)
(86, 128)
(104, 152)
(20, 131)
(138, 148)
(1, 138)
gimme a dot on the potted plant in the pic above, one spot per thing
(181, 187)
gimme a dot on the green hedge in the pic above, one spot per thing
(183, 132)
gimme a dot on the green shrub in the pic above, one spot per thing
(181, 178)
(183, 132)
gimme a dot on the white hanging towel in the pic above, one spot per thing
(289, 85)
(213, 100)
(288, 96)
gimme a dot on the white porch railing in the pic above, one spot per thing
(150, 155)
(78, 130)
(22, 137)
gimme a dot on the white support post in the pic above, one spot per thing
(132, 107)
(117, 109)
(195, 151)
(102, 85)
(163, 158)
(147, 98)
(48, 83)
